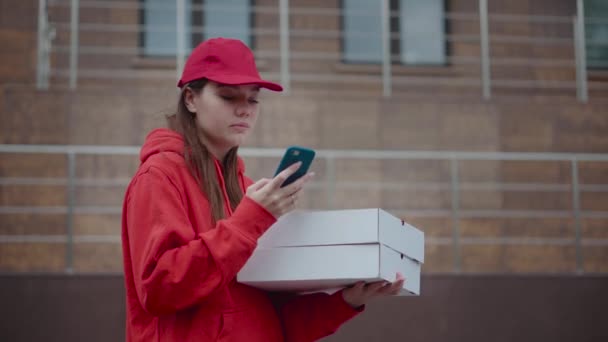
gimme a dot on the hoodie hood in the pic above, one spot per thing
(162, 140)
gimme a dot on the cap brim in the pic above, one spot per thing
(244, 80)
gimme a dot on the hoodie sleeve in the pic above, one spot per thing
(307, 318)
(173, 268)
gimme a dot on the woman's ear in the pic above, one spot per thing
(189, 100)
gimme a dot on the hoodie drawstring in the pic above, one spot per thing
(220, 174)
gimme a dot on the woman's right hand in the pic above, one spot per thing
(269, 194)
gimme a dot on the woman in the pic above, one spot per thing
(191, 219)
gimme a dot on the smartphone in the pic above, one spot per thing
(292, 155)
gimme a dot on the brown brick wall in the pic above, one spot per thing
(342, 123)
(18, 20)
(323, 116)
(32, 257)
(153, 72)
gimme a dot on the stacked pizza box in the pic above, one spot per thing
(327, 250)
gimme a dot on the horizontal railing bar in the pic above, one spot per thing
(325, 153)
(67, 149)
(117, 74)
(59, 239)
(305, 55)
(294, 55)
(64, 181)
(593, 187)
(140, 74)
(60, 210)
(322, 11)
(482, 213)
(594, 214)
(539, 241)
(542, 84)
(409, 185)
(272, 32)
(532, 62)
(596, 42)
(596, 21)
(540, 19)
(494, 241)
(502, 213)
(48, 210)
(308, 33)
(32, 181)
(512, 39)
(478, 186)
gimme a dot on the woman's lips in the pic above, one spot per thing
(241, 126)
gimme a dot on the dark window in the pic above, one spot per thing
(219, 18)
(420, 26)
(596, 33)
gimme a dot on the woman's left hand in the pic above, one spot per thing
(361, 293)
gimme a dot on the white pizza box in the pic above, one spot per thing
(345, 227)
(320, 268)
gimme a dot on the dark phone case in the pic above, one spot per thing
(292, 155)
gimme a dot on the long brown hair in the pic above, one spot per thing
(201, 162)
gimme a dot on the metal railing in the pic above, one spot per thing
(331, 183)
(387, 78)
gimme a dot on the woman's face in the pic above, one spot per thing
(224, 114)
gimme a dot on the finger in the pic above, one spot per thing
(359, 286)
(294, 199)
(286, 203)
(288, 199)
(395, 287)
(259, 184)
(292, 202)
(296, 186)
(385, 290)
(374, 287)
(279, 179)
(396, 291)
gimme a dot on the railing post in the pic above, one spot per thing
(386, 48)
(42, 76)
(180, 53)
(71, 200)
(284, 44)
(484, 35)
(580, 53)
(576, 211)
(455, 181)
(330, 174)
(74, 21)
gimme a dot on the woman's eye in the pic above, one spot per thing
(227, 97)
(253, 101)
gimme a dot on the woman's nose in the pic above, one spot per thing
(244, 110)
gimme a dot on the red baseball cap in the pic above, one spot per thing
(224, 60)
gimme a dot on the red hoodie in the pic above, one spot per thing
(180, 269)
